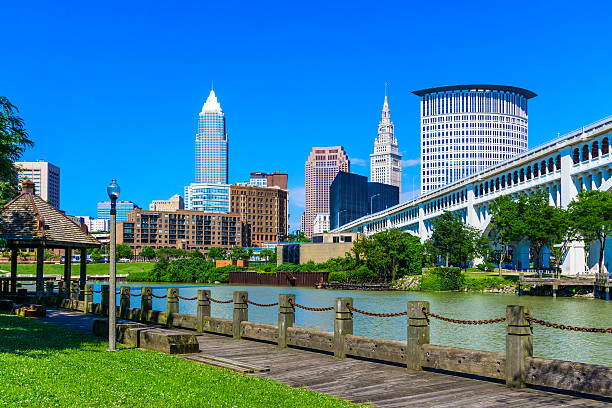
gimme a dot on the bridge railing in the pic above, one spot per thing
(518, 367)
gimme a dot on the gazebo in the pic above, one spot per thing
(28, 221)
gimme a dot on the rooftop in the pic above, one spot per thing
(478, 87)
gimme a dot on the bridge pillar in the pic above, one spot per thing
(568, 187)
(519, 345)
(241, 312)
(520, 255)
(203, 308)
(343, 324)
(545, 257)
(286, 317)
(574, 262)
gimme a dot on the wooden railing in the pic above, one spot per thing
(517, 367)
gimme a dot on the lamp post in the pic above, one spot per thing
(113, 194)
(340, 212)
(375, 195)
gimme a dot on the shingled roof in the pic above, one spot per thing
(29, 221)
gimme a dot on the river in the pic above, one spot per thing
(595, 348)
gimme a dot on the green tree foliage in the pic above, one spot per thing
(197, 254)
(507, 224)
(147, 252)
(591, 218)
(217, 253)
(188, 270)
(268, 254)
(172, 253)
(454, 241)
(124, 251)
(391, 254)
(442, 278)
(14, 139)
(239, 253)
(299, 237)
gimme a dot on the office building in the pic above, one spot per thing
(174, 203)
(468, 128)
(182, 229)
(95, 225)
(213, 198)
(261, 179)
(321, 168)
(386, 161)
(123, 208)
(264, 211)
(320, 223)
(351, 197)
(46, 179)
(211, 144)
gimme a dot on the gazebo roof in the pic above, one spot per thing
(29, 221)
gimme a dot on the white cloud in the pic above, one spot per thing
(411, 162)
(358, 162)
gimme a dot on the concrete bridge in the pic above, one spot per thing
(579, 160)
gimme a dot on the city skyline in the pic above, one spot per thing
(280, 100)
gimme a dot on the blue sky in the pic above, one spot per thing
(113, 89)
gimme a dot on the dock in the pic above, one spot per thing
(599, 285)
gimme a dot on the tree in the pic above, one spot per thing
(390, 253)
(239, 253)
(507, 224)
(543, 224)
(14, 139)
(197, 254)
(300, 237)
(217, 253)
(446, 237)
(124, 251)
(147, 252)
(591, 218)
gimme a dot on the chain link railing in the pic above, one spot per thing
(250, 302)
(372, 314)
(458, 321)
(567, 327)
(219, 301)
(312, 309)
(159, 297)
(187, 298)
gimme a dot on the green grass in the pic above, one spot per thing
(43, 365)
(92, 269)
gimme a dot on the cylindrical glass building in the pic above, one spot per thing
(467, 128)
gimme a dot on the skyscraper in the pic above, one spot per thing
(211, 144)
(386, 161)
(467, 128)
(321, 168)
(46, 179)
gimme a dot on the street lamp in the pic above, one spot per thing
(375, 195)
(113, 193)
(340, 212)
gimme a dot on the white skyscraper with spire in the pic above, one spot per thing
(211, 144)
(386, 161)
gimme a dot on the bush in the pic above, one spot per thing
(442, 278)
(488, 266)
(489, 282)
(337, 276)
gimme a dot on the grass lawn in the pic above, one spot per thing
(92, 269)
(42, 365)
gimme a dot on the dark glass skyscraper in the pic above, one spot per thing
(351, 196)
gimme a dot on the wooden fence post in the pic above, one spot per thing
(203, 309)
(88, 298)
(49, 288)
(172, 305)
(124, 301)
(241, 312)
(286, 317)
(343, 324)
(519, 345)
(418, 333)
(104, 299)
(146, 302)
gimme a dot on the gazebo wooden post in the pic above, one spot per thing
(14, 255)
(67, 271)
(40, 260)
(83, 273)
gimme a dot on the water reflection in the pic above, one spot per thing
(548, 342)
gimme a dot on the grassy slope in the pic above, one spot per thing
(92, 269)
(43, 365)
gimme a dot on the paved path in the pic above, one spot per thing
(357, 380)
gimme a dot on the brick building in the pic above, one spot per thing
(264, 210)
(181, 229)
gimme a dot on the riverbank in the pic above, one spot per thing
(43, 365)
(123, 268)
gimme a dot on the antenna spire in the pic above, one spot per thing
(212, 84)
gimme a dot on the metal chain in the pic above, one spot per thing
(159, 297)
(219, 301)
(448, 319)
(135, 294)
(565, 327)
(259, 304)
(186, 298)
(352, 309)
(96, 291)
(312, 309)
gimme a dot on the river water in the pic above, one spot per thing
(595, 348)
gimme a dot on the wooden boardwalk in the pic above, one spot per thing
(359, 381)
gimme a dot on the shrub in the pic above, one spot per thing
(489, 282)
(337, 276)
(489, 266)
(442, 278)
